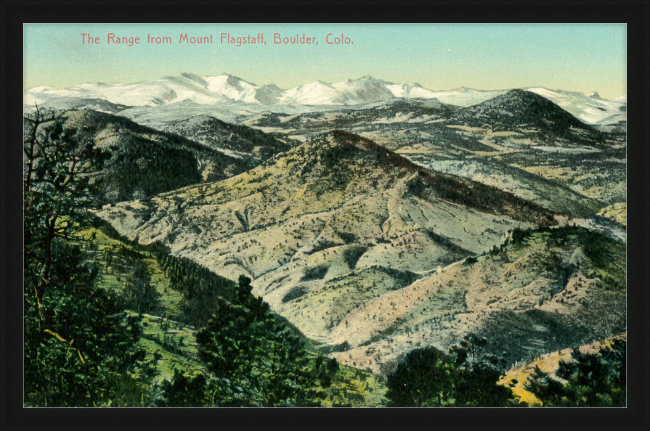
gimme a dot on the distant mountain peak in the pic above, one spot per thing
(513, 98)
(188, 87)
(521, 92)
(232, 79)
(229, 75)
(193, 77)
(268, 94)
(229, 78)
(367, 78)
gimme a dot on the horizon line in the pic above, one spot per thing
(316, 81)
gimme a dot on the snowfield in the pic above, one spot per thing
(228, 89)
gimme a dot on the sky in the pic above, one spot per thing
(572, 57)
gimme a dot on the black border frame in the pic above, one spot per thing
(635, 13)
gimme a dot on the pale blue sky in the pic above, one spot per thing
(575, 57)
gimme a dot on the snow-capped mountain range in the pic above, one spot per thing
(224, 88)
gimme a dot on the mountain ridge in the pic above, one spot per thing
(226, 87)
(145, 161)
(520, 108)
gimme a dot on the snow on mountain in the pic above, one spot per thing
(172, 89)
(218, 89)
(233, 88)
(314, 93)
(415, 91)
(160, 92)
(268, 94)
(150, 94)
(590, 109)
(225, 88)
(363, 90)
(466, 96)
(351, 92)
(370, 90)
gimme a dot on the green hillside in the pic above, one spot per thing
(167, 338)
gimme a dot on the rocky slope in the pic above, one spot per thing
(329, 227)
(519, 109)
(552, 290)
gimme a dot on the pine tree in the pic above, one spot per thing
(428, 377)
(589, 380)
(78, 340)
(424, 378)
(59, 187)
(245, 343)
(139, 292)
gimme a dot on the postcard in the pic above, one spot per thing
(325, 215)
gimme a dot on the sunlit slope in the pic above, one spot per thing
(331, 208)
(542, 291)
(519, 375)
(519, 142)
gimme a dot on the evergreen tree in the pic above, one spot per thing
(245, 344)
(59, 187)
(427, 377)
(423, 378)
(589, 380)
(78, 340)
(139, 293)
(184, 391)
(200, 287)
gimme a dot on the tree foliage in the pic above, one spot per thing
(430, 378)
(200, 287)
(78, 340)
(58, 190)
(185, 391)
(588, 380)
(245, 343)
(139, 293)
